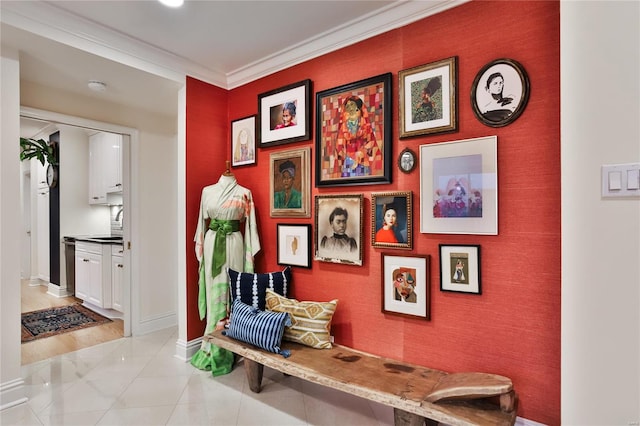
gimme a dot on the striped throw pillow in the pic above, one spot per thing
(310, 321)
(263, 329)
(251, 288)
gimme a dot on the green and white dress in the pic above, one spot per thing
(220, 245)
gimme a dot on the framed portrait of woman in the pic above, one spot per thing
(290, 187)
(391, 219)
(338, 228)
(353, 133)
(500, 92)
(285, 114)
(243, 141)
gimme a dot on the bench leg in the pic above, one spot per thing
(508, 401)
(254, 374)
(403, 418)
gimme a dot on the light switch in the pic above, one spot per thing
(615, 181)
(633, 179)
(621, 180)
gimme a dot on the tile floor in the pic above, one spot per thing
(138, 381)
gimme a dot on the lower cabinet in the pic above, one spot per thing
(93, 274)
(116, 278)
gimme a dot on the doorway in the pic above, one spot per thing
(129, 138)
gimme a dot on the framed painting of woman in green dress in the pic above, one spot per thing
(290, 186)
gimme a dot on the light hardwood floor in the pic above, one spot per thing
(34, 298)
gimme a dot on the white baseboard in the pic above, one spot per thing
(57, 291)
(185, 350)
(524, 422)
(157, 323)
(12, 394)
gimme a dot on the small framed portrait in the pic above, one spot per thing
(353, 133)
(427, 99)
(243, 141)
(407, 161)
(285, 114)
(500, 92)
(405, 286)
(460, 268)
(338, 227)
(294, 245)
(459, 187)
(290, 187)
(391, 219)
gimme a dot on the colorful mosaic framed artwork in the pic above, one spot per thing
(353, 133)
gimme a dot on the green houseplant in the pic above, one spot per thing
(43, 152)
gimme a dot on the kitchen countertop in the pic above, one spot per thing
(99, 239)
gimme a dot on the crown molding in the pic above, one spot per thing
(48, 21)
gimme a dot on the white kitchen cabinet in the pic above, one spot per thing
(93, 273)
(105, 167)
(117, 267)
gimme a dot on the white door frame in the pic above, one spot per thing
(129, 168)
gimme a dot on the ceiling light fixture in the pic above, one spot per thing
(97, 86)
(172, 3)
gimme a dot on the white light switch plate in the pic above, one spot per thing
(621, 180)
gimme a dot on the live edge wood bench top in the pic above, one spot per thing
(437, 396)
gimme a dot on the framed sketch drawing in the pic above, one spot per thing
(243, 141)
(405, 286)
(285, 114)
(500, 92)
(391, 219)
(427, 98)
(290, 187)
(460, 268)
(294, 245)
(353, 133)
(339, 228)
(459, 187)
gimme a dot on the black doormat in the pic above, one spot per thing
(62, 319)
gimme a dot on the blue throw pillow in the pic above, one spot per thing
(263, 329)
(252, 288)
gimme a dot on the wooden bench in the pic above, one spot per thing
(417, 394)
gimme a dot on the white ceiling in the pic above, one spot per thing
(143, 50)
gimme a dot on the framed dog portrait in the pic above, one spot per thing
(460, 268)
(243, 141)
(290, 186)
(500, 92)
(353, 133)
(405, 286)
(391, 219)
(285, 114)
(338, 227)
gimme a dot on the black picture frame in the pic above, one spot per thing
(294, 244)
(340, 162)
(271, 105)
(460, 268)
(494, 111)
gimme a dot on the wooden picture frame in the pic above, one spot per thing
(460, 268)
(243, 141)
(357, 153)
(427, 100)
(294, 244)
(338, 225)
(407, 160)
(290, 186)
(406, 289)
(500, 92)
(399, 207)
(295, 100)
(459, 187)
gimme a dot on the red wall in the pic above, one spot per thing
(513, 328)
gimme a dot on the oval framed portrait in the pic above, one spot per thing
(500, 92)
(407, 160)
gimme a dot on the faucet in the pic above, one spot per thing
(119, 214)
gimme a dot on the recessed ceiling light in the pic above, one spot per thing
(97, 86)
(172, 3)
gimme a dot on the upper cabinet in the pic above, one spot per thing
(105, 167)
